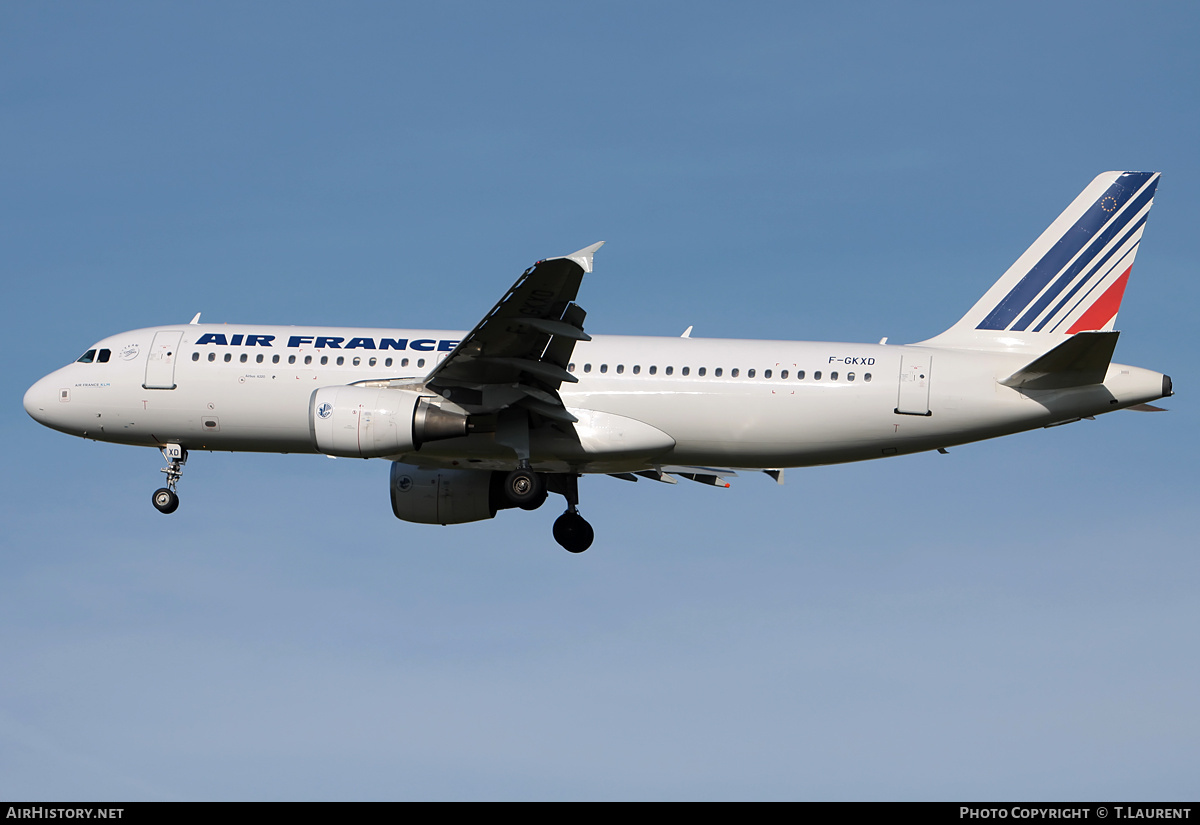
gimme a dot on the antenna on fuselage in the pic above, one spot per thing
(196, 319)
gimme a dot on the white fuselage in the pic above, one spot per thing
(640, 401)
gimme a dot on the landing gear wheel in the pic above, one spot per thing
(165, 501)
(573, 532)
(525, 489)
(537, 502)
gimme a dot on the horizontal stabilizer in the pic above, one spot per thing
(1081, 360)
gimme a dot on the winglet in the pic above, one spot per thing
(583, 257)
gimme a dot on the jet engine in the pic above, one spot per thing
(445, 496)
(366, 422)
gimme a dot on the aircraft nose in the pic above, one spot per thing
(38, 400)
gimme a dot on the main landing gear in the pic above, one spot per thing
(165, 499)
(571, 530)
(527, 489)
(524, 488)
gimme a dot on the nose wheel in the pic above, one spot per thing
(165, 499)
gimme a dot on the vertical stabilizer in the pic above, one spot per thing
(1071, 279)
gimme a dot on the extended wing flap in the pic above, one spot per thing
(1081, 360)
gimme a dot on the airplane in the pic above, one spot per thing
(526, 402)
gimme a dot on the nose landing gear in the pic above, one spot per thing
(165, 499)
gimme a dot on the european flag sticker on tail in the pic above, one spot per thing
(1072, 278)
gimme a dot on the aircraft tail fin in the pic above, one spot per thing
(1071, 279)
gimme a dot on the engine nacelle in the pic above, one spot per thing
(369, 422)
(444, 496)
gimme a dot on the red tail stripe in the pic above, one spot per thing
(1105, 308)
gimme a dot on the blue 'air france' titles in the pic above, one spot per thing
(327, 342)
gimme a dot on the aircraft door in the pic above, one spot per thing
(915, 373)
(160, 361)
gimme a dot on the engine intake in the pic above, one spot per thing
(365, 422)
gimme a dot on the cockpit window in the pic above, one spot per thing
(102, 356)
(87, 357)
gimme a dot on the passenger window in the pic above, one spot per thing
(733, 373)
(654, 370)
(849, 376)
(371, 363)
(620, 368)
(274, 359)
(867, 376)
(817, 375)
(244, 358)
(308, 359)
(604, 368)
(571, 367)
(420, 362)
(403, 362)
(637, 368)
(357, 361)
(587, 367)
(258, 359)
(700, 372)
(388, 362)
(833, 376)
(717, 372)
(782, 374)
(766, 373)
(87, 357)
(195, 356)
(291, 359)
(103, 355)
(212, 356)
(799, 375)
(228, 357)
(749, 373)
(341, 360)
(685, 370)
(670, 370)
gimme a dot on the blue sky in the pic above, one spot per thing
(1015, 620)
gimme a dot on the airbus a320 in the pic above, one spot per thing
(527, 402)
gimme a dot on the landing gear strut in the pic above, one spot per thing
(571, 530)
(165, 499)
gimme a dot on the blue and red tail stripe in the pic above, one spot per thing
(1118, 210)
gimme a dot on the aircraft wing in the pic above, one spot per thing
(518, 353)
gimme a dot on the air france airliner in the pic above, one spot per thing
(527, 402)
